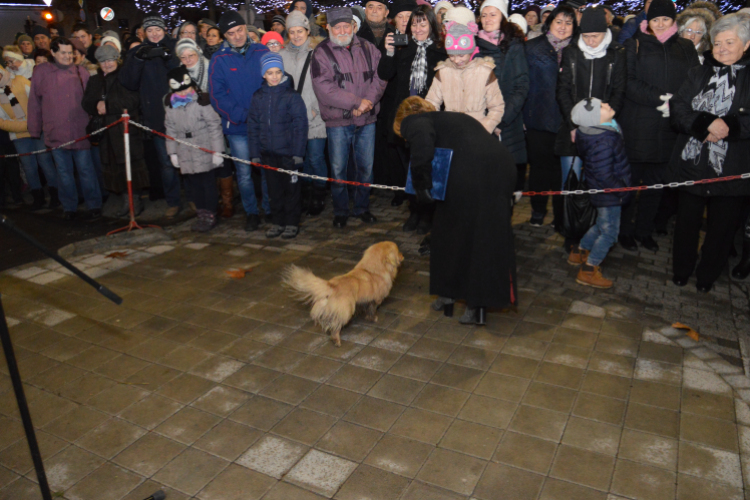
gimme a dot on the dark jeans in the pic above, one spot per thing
(340, 142)
(283, 190)
(10, 173)
(202, 189)
(641, 224)
(544, 167)
(723, 217)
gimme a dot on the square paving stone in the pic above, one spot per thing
(614, 364)
(655, 394)
(191, 471)
(539, 422)
(457, 377)
(421, 425)
(707, 404)
(272, 456)
(151, 411)
(453, 471)
(583, 467)
(709, 431)
(186, 388)
(221, 400)
(187, 425)
(396, 389)
(525, 347)
(441, 399)
(321, 472)
(555, 489)
(595, 407)
(636, 480)
(622, 328)
(286, 491)
(514, 365)
(395, 341)
(606, 385)
(354, 378)
(488, 411)
(432, 349)
(550, 397)
(304, 426)
(472, 439)
(654, 420)
(375, 359)
(76, 423)
(290, 389)
(422, 491)
(69, 466)
(544, 315)
(228, 440)
(421, 369)
(111, 437)
(575, 338)
(349, 441)
(399, 455)
(692, 488)
(374, 413)
(261, 413)
(252, 378)
(279, 359)
(533, 330)
(556, 374)
(649, 449)
(500, 386)
(657, 371)
(567, 355)
(237, 483)
(614, 344)
(710, 463)
(108, 482)
(500, 482)
(592, 436)
(582, 322)
(472, 357)
(18, 458)
(331, 400)
(149, 454)
(489, 339)
(661, 352)
(373, 484)
(316, 368)
(526, 452)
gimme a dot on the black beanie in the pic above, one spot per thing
(179, 79)
(230, 19)
(402, 6)
(661, 8)
(593, 20)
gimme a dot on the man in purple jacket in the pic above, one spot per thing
(345, 80)
(55, 110)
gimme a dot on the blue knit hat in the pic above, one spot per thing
(271, 60)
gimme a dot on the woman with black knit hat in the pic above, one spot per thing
(658, 61)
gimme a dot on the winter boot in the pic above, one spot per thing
(411, 222)
(226, 187)
(578, 256)
(592, 276)
(54, 200)
(274, 231)
(205, 221)
(125, 206)
(318, 203)
(742, 270)
(38, 203)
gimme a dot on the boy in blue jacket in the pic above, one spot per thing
(277, 136)
(605, 166)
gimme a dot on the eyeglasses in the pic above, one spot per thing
(273, 44)
(693, 32)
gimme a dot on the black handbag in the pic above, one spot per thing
(95, 123)
(578, 212)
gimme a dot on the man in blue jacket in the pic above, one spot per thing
(630, 27)
(145, 71)
(233, 77)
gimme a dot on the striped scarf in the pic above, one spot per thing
(418, 79)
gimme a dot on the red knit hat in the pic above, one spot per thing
(271, 35)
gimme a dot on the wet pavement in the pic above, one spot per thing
(220, 388)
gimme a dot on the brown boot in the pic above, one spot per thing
(227, 196)
(578, 256)
(592, 276)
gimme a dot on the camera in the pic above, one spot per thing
(400, 40)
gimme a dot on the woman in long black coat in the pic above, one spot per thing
(472, 253)
(104, 87)
(396, 66)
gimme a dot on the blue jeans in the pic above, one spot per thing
(97, 159)
(170, 176)
(239, 147)
(602, 235)
(566, 162)
(315, 161)
(32, 163)
(340, 141)
(64, 159)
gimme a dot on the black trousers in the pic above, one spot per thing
(402, 157)
(10, 175)
(284, 191)
(723, 216)
(202, 189)
(544, 167)
(639, 215)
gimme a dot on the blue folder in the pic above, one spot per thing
(441, 167)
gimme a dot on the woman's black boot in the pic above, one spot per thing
(742, 270)
(481, 316)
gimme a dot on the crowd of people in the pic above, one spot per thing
(572, 92)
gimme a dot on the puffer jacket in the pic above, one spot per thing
(277, 122)
(294, 60)
(605, 164)
(343, 77)
(603, 78)
(654, 69)
(512, 72)
(149, 79)
(473, 90)
(541, 111)
(198, 125)
(691, 123)
(19, 87)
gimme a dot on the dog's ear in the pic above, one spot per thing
(393, 258)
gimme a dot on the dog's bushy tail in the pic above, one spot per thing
(326, 309)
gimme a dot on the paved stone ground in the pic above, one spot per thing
(221, 389)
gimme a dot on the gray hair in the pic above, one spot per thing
(739, 23)
(691, 20)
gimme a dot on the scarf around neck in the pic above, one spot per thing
(198, 74)
(494, 37)
(664, 36)
(378, 30)
(598, 52)
(558, 45)
(418, 79)
(178, 101)
(8, 98)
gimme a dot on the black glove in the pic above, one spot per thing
(142, 52)
(147, 52)
(424, 197)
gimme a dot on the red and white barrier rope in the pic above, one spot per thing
(18, 155)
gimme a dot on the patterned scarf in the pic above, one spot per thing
(378, 30)
(716, 99)
(7, 97)
(558, 45)
(494, 37)
(418, 79)
(177, 100)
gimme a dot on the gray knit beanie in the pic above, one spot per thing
(297, 19)
(587, 113)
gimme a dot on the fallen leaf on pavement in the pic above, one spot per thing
(238, 273)
(117, 255)
(690, 332)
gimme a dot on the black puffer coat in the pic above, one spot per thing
(691, 123)
(397, 71)
(603, 78)
(541, 111)
(512, 72)
(654, 69)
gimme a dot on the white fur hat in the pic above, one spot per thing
(443, 4)
(501, 5)
(114, 40)
(460, 14)
(520, 21)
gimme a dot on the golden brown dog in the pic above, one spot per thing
(335, 301)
